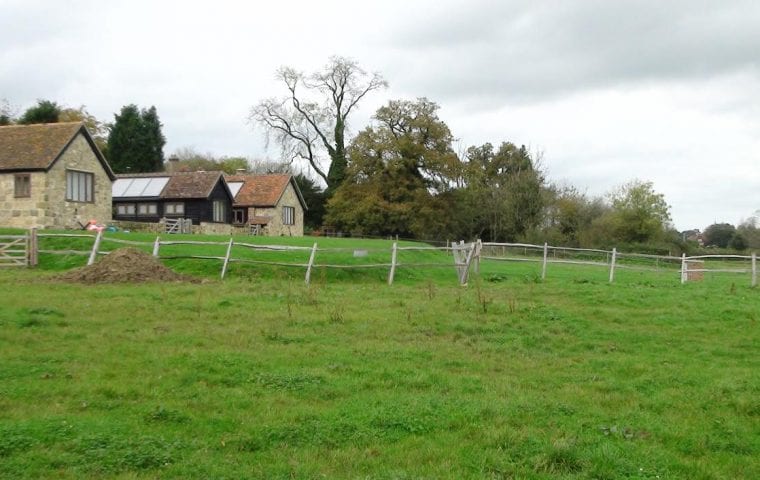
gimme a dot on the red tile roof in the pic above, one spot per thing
(259, 190)
(37, 147)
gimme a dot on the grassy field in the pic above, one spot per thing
(259, 376)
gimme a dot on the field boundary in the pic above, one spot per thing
(466, 256)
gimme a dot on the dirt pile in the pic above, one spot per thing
(127, 265)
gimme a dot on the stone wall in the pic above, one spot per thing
(276, 228)
(24, 212)
(47, 206)
(65, 214)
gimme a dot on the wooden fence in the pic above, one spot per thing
(15, 250)
(464, 254)
(690, 268)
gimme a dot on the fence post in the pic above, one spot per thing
(156, 246)
(227, 258)
(754, 269)
(393, 263)
(612, 264)
(478, 248)
(32, 248)
(543, 267)
(95, 247)
(466, 270)
(311, 263)
(683, 268)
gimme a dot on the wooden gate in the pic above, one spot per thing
(14, 250)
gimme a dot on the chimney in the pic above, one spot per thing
(172, 165)
(240, 171)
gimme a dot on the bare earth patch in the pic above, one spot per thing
(125, 265)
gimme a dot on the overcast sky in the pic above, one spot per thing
(607, 91)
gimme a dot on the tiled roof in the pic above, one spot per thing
(34, 147)
(259, 190)
(183, 184)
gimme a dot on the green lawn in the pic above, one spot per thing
(259, 376)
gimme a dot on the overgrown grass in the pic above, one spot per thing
(260, 376)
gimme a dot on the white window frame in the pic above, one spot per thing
(125, 209)
(288, 215)
(219, 211)
(147, 209)
(80, 186)
(174, 208)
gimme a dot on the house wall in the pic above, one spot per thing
(47, 206)
(23, 212)
(66, 214)
(276, 228)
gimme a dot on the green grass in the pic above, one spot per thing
(260, 376)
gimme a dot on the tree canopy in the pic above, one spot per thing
(135, 143)
(310, 122)
(398, 166)
(45, 111)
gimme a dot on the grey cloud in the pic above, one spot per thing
(521, 51)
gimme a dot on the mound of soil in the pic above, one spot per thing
(124, 265)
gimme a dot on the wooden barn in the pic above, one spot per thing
(147, 197)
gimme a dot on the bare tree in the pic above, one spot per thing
(307, 124)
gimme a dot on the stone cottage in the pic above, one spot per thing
(267, 204)
(52, 176)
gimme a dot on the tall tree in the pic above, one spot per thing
(135, 143)
(400, 170)
(504, 191)
(307, 124)
(98, 129)
(314, 196)
(719, 234)
(44, 112)
(7, 113)
(639, 214)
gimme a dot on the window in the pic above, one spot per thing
(147, 209)
(288, 215)
(174, 208)
(79, 186)
(238, 215)
(125, 209)
(219, 213)
(22, 185)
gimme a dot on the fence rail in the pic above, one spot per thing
(466, 256)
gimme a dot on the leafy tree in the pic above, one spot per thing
(639, 214)
(307, 124)
(44, 112)
(569, 216)
(738, 242)
(400, 170)
(719, 234)
(504, 192)
(135, 143)
(315, 199)
(97, 129)
(750, 231)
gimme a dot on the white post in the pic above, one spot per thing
(683, 268)
(543, 268)
(227, 258)
(393, 263)
(612, 264)
(95, 247)
(478, 248)
(754, 269)
(311, 263)
(466, 271)
(156, 246)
